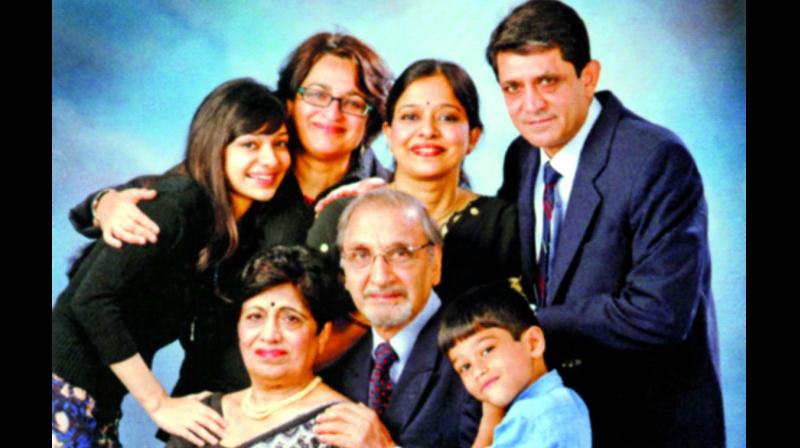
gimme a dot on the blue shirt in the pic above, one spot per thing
(545, 415)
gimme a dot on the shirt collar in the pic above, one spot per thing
(566, 160)
(542, 385)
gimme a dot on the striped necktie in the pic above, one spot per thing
(551, 178)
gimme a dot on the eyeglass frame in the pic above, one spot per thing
(384, 254)
(302, 90)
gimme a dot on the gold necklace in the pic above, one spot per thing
(259, 413)
(444, 217)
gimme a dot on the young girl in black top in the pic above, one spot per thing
(122, 305)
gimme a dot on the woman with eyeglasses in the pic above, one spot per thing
(432, 124)
(334, 87)
(123, 305)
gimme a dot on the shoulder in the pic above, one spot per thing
(554, 419)
(558, 404)
(486, 215)
(178, 196)
(328, 396)
(330, 215)
(639, 138)
(322, 234)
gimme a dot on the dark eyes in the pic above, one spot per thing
(444, 117)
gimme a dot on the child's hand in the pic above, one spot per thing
(492, 415)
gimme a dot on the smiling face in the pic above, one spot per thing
(326, 132)
(429, 134)
(546, 99)
(278, 336)
(495, 367)
(255, 165)
(389, 296)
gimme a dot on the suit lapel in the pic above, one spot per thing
(358, 370)
(529, 165)
(416, 376)
(584, 199)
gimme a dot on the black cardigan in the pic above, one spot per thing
(134, 300)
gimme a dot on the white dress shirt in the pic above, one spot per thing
(565, 162)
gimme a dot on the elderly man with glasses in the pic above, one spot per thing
(405, 390)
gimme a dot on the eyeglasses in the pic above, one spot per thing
(396, 257)
(351, 104)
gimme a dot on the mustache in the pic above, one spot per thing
(393, 290)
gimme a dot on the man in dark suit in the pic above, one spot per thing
(614, 239)
(391, 255)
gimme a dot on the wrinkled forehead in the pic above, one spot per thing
(381, 226)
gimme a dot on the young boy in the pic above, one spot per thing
(494, 341)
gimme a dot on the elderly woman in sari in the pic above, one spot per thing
(289, 296)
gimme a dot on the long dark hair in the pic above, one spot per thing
(237, 107)
(374, 75)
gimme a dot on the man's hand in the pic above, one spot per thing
(349, 190)
(187, 417)
(351, 425)
(122, 221)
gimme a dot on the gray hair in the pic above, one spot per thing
(388, 197)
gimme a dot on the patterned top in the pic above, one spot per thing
(298, 432)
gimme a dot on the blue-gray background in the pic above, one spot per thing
(127, 77)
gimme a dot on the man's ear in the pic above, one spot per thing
(533, 338)
(590, 76)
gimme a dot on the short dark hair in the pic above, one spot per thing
(541, 25)
(498, 304)
(458, 78)
(313, 274)
(374, 75)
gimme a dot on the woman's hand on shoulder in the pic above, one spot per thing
(190, 419)
(122, 221)
(349, 190)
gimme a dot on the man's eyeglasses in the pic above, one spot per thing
(396, 257)
(350, 104)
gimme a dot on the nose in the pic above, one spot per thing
(267, 156)
(271, 330)
(380, 272)
(479, 370)
(533, 101)
(428, 126)
(334, 110)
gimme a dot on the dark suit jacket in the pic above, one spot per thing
(629, 317)
(429, 406)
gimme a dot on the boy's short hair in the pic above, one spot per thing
(497, 304)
